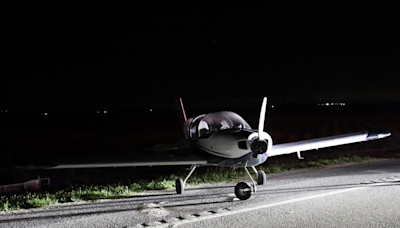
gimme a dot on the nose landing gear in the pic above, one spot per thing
(243, 190)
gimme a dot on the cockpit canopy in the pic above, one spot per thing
(204, 125)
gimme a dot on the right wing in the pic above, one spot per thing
(311, 144)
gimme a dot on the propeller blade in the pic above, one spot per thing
(262, 119)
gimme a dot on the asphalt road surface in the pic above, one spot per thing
(351, 195)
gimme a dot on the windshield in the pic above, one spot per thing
(217, 121)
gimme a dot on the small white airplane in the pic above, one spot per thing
(225, 139)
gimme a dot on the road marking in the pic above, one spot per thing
(174, 222)
(217, 215)
(383, 180)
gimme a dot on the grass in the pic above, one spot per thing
(123, 190)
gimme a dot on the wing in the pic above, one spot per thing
(160, 155)
(311, 144)
(112, 162)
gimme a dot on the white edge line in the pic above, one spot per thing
(258, 207)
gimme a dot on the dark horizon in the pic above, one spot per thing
(73, 58)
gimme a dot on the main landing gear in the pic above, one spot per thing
(180, 184)
(242, 190)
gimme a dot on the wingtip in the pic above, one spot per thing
(378, 135)
(384, 134)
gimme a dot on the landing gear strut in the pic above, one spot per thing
(180, 184)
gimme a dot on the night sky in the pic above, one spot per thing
(84, 58)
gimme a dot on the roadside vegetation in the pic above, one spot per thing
(124, 190)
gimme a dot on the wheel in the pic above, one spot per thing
(243, 191)
(179, 186)
(262, 178)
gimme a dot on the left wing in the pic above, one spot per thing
(311, 144)
(159, 155)
(112, 162)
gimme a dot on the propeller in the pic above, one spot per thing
(261, 141)
(262, 119)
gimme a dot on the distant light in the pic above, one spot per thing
(151, 110)
(1, 110)
(6, 110)
(331, 104)
(98, 112)
(105, 111)
(272, 106)
(45, 113)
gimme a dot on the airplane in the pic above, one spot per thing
(222, 139)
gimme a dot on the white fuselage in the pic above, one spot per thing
(230, 143)
(223, 144)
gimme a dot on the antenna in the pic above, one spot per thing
(183, 109)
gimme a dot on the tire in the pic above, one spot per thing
(240, 194)
(179, 186)
(262, 178)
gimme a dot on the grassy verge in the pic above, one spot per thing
(123, 190)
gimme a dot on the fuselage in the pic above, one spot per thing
(225, 138)
(230, 148)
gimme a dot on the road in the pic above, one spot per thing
(351, 195)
